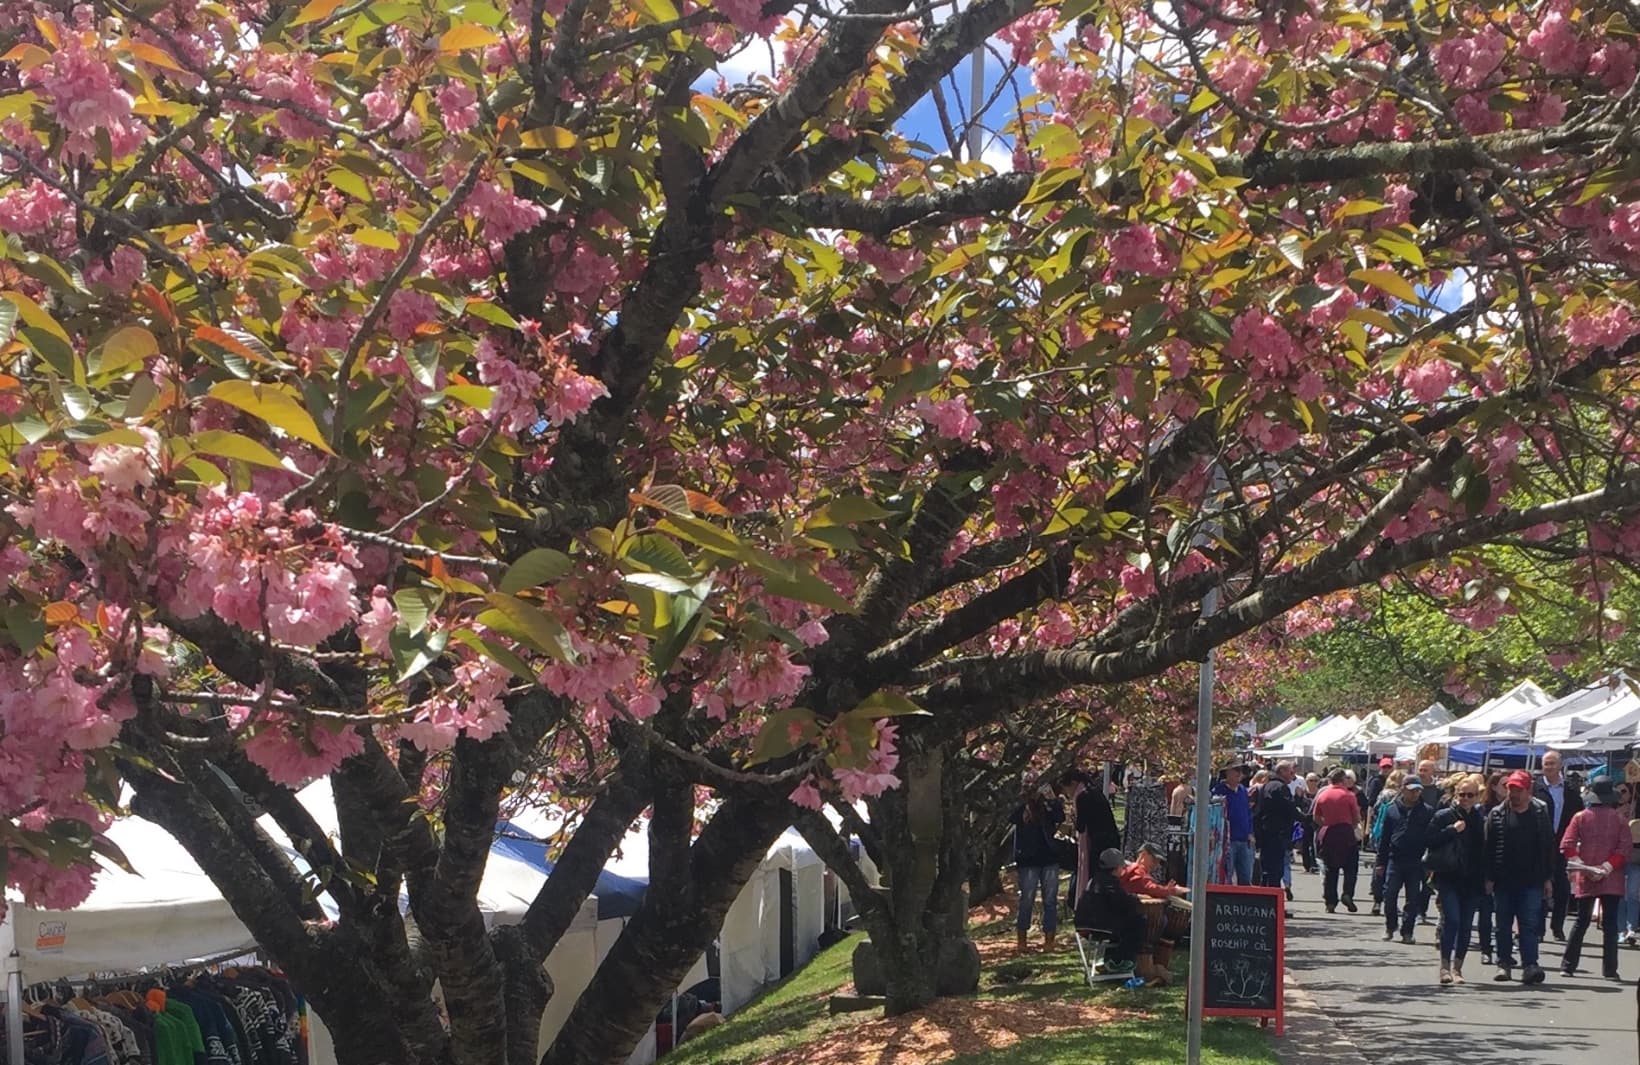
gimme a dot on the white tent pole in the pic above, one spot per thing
(14, 988)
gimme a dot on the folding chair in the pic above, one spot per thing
(1091, 944)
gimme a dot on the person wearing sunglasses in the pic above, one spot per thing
(1457, 857)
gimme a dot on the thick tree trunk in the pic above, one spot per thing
(679, 918)
(920, 931)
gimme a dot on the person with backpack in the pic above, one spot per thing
(1457, 857)
(1380, 860)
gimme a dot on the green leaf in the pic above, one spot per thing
(489, 312)
(535, 568)
(500, 653)
(416, 607)
(701, 533)
(527, 624)
(774, 739)
(1388, 281)
(887, 704)
(658, 581)
(350, 183)
(847, 510)
(126, 346)
(808, 587)
(661, 11)
(413, 653)
(274, 405)
(658, 554)
(688, 616)
(110, 850)
(1291, 247)
(234, 446)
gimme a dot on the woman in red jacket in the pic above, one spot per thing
(1598, 839)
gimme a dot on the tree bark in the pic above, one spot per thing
(678, 920)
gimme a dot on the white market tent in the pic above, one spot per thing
(171, 913)
(1433, 718)
(1614, 735)
(1368, 728)
(1519, 705)
(1275, 731)
(1318, 740)
(1608, 701)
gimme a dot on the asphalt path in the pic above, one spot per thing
(1386, 999)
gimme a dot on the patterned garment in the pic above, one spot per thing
(1146, 818)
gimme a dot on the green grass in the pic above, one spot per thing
(793, 1013)
(789, 1014)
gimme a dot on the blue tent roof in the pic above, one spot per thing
(618, 896)
(1474, 752)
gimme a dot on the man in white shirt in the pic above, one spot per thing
(1564, 802)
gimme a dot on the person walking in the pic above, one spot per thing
(1273, 824)
(1628, 804)
(1405, 839)
(1375, 834)
(1376, 784)
(1520, 869)
(1457, 857)
(1492, 796)
(1598, 840)
(1337, 816)
(1238, 823)
(1564, 801)
(1306, 809)
(1038, 862)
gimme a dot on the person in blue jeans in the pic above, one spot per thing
(1457, 850)
(1037, 862)
(1520, 861)
(1405, 837)
(1238, 823)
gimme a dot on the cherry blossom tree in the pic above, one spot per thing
(485, 403)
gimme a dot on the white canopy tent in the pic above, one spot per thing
(1607, 701)
(1433, 718)
(1374, 724)
(1519, 705)
(1317, 741)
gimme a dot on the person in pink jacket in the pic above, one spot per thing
(1597, 843)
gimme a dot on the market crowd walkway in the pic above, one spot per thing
(1384, 997)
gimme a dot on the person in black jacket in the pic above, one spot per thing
(1457, 851)
(1096, 829)
(1521, 845)
(1376, 784)
(1404, 839)
(1037, 861)
(1564, 800)
(1273, 823)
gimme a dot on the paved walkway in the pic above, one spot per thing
(1384, 998)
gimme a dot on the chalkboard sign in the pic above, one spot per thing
(1244, 953)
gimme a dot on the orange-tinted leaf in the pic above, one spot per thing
(61, 613)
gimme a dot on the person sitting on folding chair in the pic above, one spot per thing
(1108, 913)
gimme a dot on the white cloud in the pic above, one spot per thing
(998, 155)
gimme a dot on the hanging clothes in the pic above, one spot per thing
(1146, 818)
(242, 1016)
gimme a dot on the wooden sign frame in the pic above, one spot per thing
(1279, 1013)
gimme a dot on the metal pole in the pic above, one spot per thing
(976, 100)
(1201, 838)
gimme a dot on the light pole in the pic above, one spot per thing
(1200, 838)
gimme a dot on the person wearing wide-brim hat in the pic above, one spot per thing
(1597, 841)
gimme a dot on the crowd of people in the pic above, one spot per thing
(1509, 856)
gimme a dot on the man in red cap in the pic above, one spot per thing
(1376, 784)
(1520, 860)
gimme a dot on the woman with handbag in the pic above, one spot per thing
(1457, 857)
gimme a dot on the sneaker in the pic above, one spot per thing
(1446, 974)
(1116, 968)
(1567, 971)
(1332, 907)
(1377, 909)
(1615, 978)
(1503, 976)
(1532, 974)
(1406, 937)
(1486, 958)
(1560, 937)
(1457, 972)
(1289, 894)
(1388, 936)
(1349, 904)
